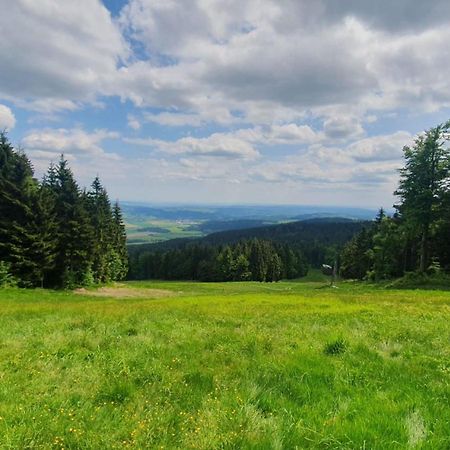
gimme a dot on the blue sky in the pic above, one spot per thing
(236, 101)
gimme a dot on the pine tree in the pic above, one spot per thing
(102, 223)
(258, 265)
(73, 265)
(275, 268)
(43, 222)
(225, 262)
(119, 244)
(17, 191)
(423, 183)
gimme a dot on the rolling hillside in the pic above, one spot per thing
(313, 237)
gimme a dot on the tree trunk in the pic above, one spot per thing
(424, 251)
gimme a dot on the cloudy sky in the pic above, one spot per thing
(226, 101)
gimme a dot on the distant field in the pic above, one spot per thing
(225, 366)
(146, 231)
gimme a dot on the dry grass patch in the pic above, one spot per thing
(121, 291)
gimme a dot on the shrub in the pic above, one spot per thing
(336, 347)
(6, 279)
(419, 280)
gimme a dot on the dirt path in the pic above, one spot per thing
(125, 292)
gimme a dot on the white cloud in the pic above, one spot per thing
(277, 61)
(133, 122)
(269, 62)
(367, 162)
(216, 145)
(342, 127)
(298, 76)
(292, 133)
(7, 118)
(55, 53)
(74, 143)
(175, 119)
(380, 148)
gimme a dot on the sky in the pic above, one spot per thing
(226, 101)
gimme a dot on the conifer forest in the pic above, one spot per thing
(53, 233)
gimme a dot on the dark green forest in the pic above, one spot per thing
(299, 245)
(256, 260)
(53, 233)
(416, 239)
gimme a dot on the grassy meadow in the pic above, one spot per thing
(225, 366)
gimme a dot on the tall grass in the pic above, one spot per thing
(226, 365)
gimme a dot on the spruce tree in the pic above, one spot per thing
(43, 250)
(119, 243)
(422, 187)
(73, 265)
(102, 222)
(17, 192)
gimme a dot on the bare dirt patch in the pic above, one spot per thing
(125, 292)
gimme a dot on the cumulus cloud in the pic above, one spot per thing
(175, 119)
(73, 143)
(240, 144)
(370, 161)
(215, 145)
(55, 54)
(7, 118)
(342, 127)
(292, 134)
(380, 148)
(280, 92)
(133, 122)
(268, 62)
(289, 56)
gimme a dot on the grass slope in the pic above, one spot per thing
(230, 366)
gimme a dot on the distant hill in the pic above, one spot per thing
(148, 224)
(328, 231)
(314, 237)
(271, 213)
(215, 226)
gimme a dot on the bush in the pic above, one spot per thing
(336, 347)
(6, 279)
(419, 280)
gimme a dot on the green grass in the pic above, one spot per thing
(226, 366)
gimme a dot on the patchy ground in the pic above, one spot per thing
(121, 291)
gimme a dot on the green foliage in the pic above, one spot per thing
(420, 280)
(52, 233)
(357, 256)
(6, 279)
(416, 237)
(424, 185)
(256, 259)
(18, 234)
(388, 246)
(336, 347)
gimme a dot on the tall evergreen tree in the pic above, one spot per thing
(73, 265)
(102, 223)
(119, 237)
(423, 183)
(17, 192)
(45, 228)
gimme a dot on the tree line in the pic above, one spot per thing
(317, 241)
(52, 233)
(417, 236)
(255, 259)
